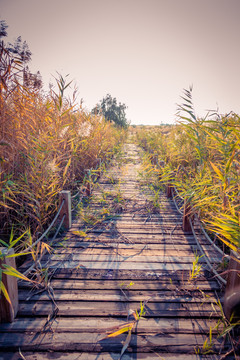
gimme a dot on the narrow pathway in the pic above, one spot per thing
(102, 271)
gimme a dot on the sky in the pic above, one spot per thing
(143, 52)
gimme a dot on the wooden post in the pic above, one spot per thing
(88, 188)
(8, 311)
(99, 167)
(99, 161)
(88, 185)
(161, 165)
(155, 159)
(66, 209)
(232, 292)
(169, 190)
(186, 216)
(98, 164)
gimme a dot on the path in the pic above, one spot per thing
(100, 274)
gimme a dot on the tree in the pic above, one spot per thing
(3, 28)
(31, 80)
(21, 49)
(112, 111)
(15, 57)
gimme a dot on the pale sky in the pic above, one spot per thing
(143, 52)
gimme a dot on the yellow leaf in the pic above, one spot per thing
(218, 172)
(80, 233)
(66, 167)
(5, 293)
(9, 270)
(123, 330)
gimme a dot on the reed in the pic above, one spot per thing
(201, 158)
(47, 143)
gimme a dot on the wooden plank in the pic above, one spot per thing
(124, 246)
(138, 204)
(113, 256)
(115, 265)
(122, 225)
(182, 343)
(117, 295)
(115, 309)
(163, 222)
(141, 218)
(106, 284)
(164, 234)
(130, 230)
(180, 276)
(108, 325)
(141, 250)
(67, 245)
(106, 356)
(135, 238)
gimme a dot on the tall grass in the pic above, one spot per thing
(201, 159)
(46, 144)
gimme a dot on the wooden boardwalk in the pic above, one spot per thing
(99, 274)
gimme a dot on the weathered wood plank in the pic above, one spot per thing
(115, 309)
(141, 227)
(116, 265)
(141, 218)
(142, 252)
(117, 295)
(113, 256)
(156, 249)
(126, 252)
(182, 343)
(129, 230)
(171, 248)
(164, 238)
(180, 276)
(106, 356)
(108, 325)
(106, 284)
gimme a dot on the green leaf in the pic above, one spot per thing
(14, 242)
(4, 243)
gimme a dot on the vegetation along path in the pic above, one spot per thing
(125, 279)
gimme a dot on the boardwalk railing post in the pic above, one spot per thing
(169, 190)
(161, 165)
(88, 185)
(66, 209)
(155, 159)
(8, 311)
(186, 217)
(232, 292)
